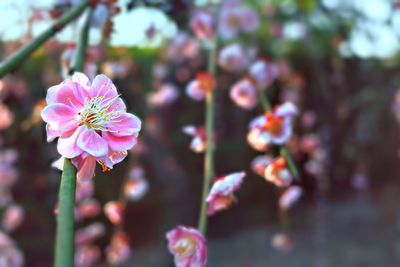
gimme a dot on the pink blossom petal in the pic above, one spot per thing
(59, 117)
(86, 169)
(120, 143)
(126, 124)
(92, 143)
(67, 147)
(51, 133)
(103, 86)
(80, 78)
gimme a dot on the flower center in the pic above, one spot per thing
(185, 246)
(273, 124)
(234, 21)
(98, 112)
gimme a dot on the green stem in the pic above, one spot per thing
(80, 54)
(209, 164)
(284, 151)
(64, 254)
(17, 58)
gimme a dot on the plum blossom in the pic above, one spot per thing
(233, 58)
(89, 233)
(90, 122)
(136, 186)
(282, 242)
(221, 194)
(165, 95)
(244, 94)
(114, 211)
(118, 251)
(260, 163)
(86, 255)
(290, 196)
(183, 47)
(278, 173)
(10, 255)
(263, 73)
(87, 208)
(199, 141)
(12, 217)
(235, 19)
(6, 117)
(198, 88)
(188, 246)
(272, 128)
(203, 24)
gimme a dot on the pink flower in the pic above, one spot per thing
(274, 127)
(278, 173)
(136, 186)
(282, 242)
(91, 123)
(235, 18)
(260, 163)
(244, 94)
(12, 217)
(203, 24)
(6, 117)
(188, 246)
(165, 95)
(86, 255)
(118, 251)
(183, 47)
(263, 73)
(198, 143)
(290, 196)
(198, 88)
(221, 194)
(232, 58)
(114, 211)
(89, 233)
(88, 208)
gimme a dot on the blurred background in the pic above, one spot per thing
(338, 61)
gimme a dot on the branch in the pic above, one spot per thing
(11, 63)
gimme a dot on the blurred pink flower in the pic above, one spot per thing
(91, 123)
(136, 186)
(118, 251)
(202, 24)
(282, 242)
(88, 208)
(221, 195)
(89, 233)
(273, 127)
(183, 47)
(278, 173)
(188, 246)
(10, 255)
(114, 211)
(244, 94)
(12, 217)
(6, 117)
(290, 196)
(198, 143)
(198, 88)
(86, 255)
(165, 95)
(235, 19)
(233, 58)
(309, 143)
(260, 163)
(263, 73)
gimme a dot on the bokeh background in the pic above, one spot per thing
(339, 61)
